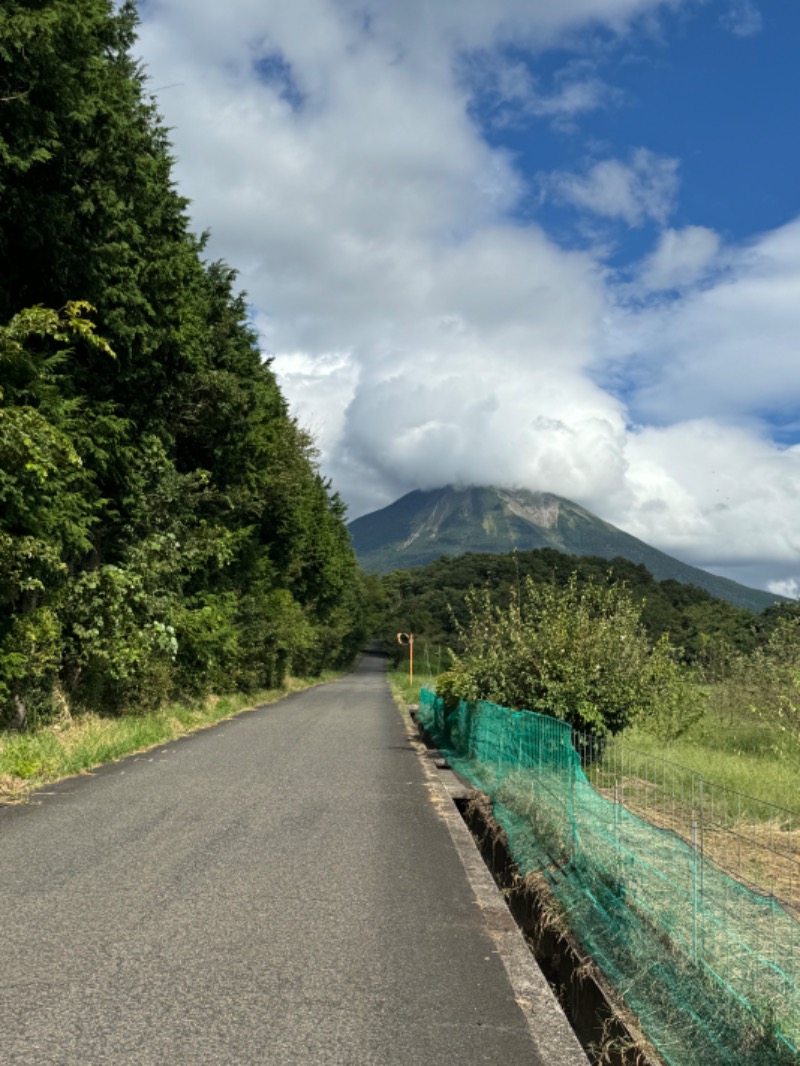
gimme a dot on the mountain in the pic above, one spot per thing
(422, 526)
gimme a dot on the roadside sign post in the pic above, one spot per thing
(408, 639)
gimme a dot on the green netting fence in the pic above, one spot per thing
(710, 967)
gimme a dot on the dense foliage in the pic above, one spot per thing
(578, 653)
(765, 684)
(746, 665)
(431, 601)
(163, 525)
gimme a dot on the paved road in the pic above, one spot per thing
(276, 890)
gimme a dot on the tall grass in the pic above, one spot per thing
(77, 744)
(740, 752)
(402, 690)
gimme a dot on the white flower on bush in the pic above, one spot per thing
(162, 636)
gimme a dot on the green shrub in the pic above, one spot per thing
(578, 653)
(121, 657)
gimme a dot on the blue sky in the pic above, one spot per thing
(725, 105)
(713, 86)
(544, 245)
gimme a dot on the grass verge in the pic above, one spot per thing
(402, 691)
(76, 744)
(743, 754)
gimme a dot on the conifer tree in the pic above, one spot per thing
(205, 548)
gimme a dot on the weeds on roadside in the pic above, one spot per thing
(75, 745)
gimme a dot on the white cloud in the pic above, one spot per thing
(680, 258)
(742, 19)
(642, 189)
(703, 490)
(788, 587)
(321, 387)
(573, 98)
(426, 337)
(727, 349)
(430, 27)
(512, 94)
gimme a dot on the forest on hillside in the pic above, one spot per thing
(431, 600)
(546, 631)
(164, 528)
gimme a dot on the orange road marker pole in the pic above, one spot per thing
(408, 639)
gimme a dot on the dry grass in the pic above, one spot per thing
(77, 744)
(763, 854)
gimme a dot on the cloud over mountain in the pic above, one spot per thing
(427, 324)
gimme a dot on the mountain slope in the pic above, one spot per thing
(422, 526)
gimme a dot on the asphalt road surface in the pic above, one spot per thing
(276, 890)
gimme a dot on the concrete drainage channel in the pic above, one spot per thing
(573, 1015)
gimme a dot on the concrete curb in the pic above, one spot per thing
(551, 1034)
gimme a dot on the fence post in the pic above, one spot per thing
(617, 856)
(698, 866)
(574, 762)
(701, 889)
(694, 873)
(694, 884)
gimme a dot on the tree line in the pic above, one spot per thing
(432, 600)
(601, 645)
(164, 528)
